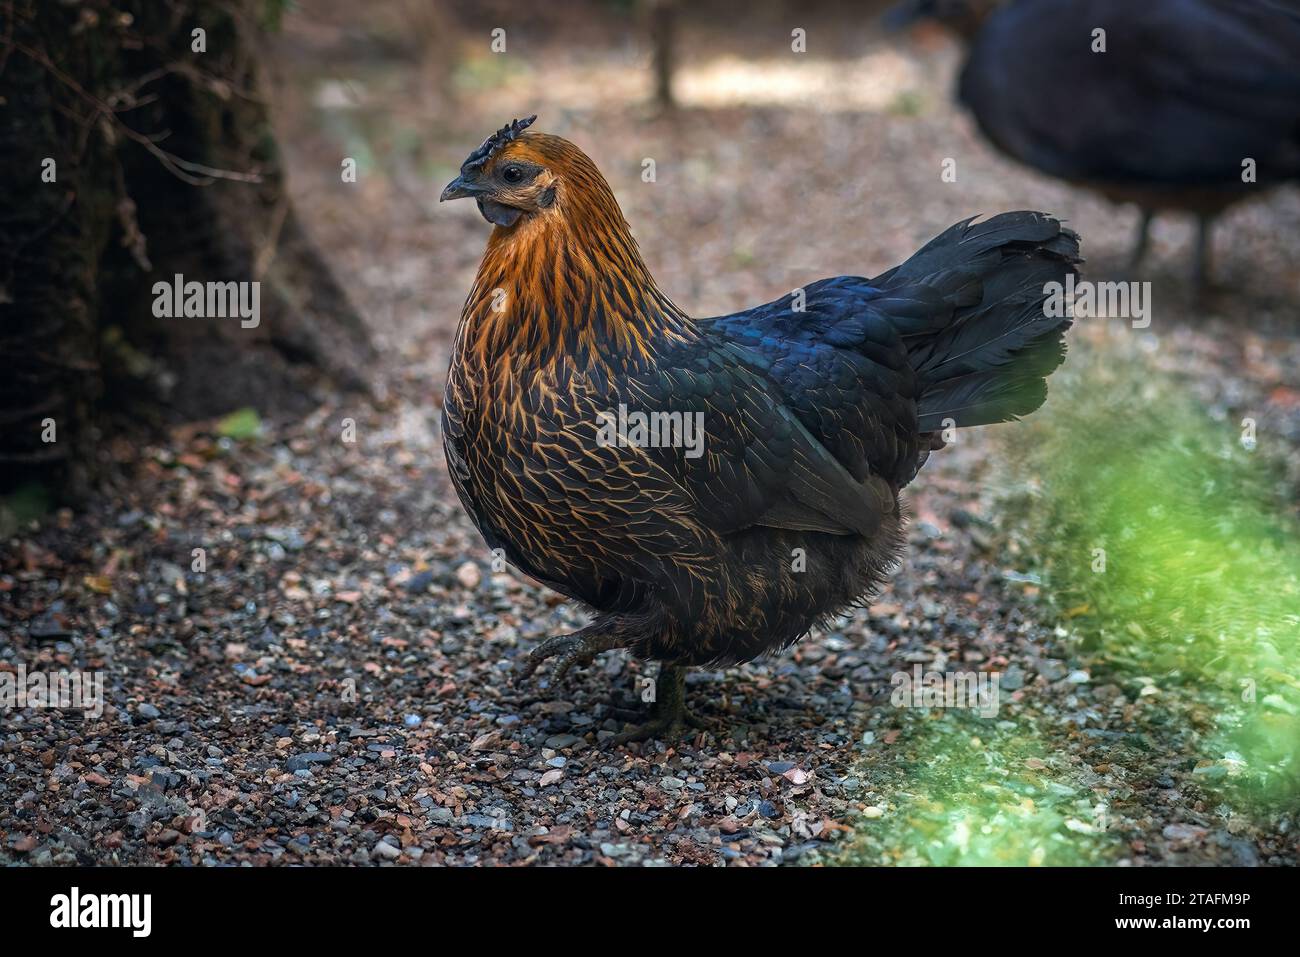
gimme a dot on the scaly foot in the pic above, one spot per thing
(671, 720)
(665, 727)
(579, 648)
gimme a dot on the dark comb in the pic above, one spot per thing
(500, 138)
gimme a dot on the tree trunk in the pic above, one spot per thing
(663, 42)
(137, 147)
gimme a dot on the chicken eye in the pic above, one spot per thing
(512, 174)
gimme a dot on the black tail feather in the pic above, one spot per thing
(983, 354)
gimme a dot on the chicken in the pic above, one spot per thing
(764, 497)
(1192, 106)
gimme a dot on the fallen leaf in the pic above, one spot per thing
(241, 424)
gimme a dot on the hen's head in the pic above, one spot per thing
(515, 174)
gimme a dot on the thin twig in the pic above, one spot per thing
(196, 174)
(9, 35)
(266, 254)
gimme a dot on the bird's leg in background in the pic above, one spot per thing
(1201, 264)
(670, 718)
(1143, 234)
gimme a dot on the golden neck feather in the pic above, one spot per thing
(567, 281)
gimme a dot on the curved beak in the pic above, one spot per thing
(460, 188)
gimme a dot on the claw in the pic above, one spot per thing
(667, 728)
(574, 649)
(671, 719)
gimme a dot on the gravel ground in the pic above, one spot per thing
(336, 686)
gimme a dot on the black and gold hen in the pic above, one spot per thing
(813, 412)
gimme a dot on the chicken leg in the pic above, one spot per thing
(1202, 279)
(1142, 239)
(670, 719)
(579, 648)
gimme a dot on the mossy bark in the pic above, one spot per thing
(165, 163)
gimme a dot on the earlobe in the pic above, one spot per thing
(498, 213)
(547, 197)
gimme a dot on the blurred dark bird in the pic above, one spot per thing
(763, 497)
(1194, 105)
